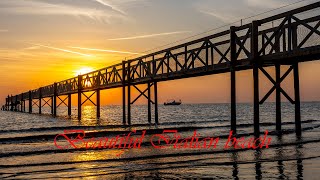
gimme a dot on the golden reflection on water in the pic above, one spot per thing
(91, 169)
(89, 116)
(98, 155)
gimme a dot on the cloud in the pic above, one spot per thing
(3, 30)
(64, 50)
(104, 50)
(222, 11)
(271, 4)
(46, 8)
(117, 5)
(227, 18)
(112, 6)
(149, 35)
(31, 48)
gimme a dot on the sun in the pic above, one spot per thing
(83, 70)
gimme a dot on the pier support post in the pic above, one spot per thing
(54, 100)
(294, 37)
(21, 103)
(69, 104)
(11, 103)
(129, 93)
(149, 103)
(8, 106)
(233, 101)
(30, 102)
(129, 104)
(24, 106)
(233, 54)
(98, 95)
(124, 92)
(156, 118)
(79, 96)
(40, 97)
(255, 61)
(7, 100)
(256, 110)
(52, 110)
(98, 103)
(124, 104)
(278, 97)
(16, 103)
(297, 98)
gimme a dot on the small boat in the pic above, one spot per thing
(172, 102)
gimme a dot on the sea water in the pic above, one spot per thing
(27, 149)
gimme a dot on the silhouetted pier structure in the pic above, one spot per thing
(286, 39)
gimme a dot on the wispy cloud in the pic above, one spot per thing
(46, 8)
(264, 4)
(149, 35)
(221, 16)
(31, 48)
(64, 50)
(118, 5)
(108, 4)
(104, 50)
(4, 30)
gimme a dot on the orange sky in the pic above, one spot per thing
(38, 48)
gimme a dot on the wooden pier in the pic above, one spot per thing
(285, 39)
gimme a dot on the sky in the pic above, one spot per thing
(46, 41)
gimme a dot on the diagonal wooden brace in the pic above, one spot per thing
(62, 101)
(88, 98)
(276, 85)
(142, 93)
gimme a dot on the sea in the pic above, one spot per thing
(28, 149)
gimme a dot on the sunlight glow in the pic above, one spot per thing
(83, 71)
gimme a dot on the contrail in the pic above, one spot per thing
(104, 50)
(64, 50)
(110, 6)
(149, 35)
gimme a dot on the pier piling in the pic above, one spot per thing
(40, 98)
(256, 64)
(233, 54)
(30, 102)
(149, 103)
(69, 104)
(297, 99)
(98, 103)
(278, 97)
(79, 96)
(55, 94)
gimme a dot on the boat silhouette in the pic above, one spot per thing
(172, 102)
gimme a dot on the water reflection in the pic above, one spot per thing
(299, 155)
(282, 162)
(235, 170)
(280, 165)
(240, 167)
(280, 157)
(257, 158)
